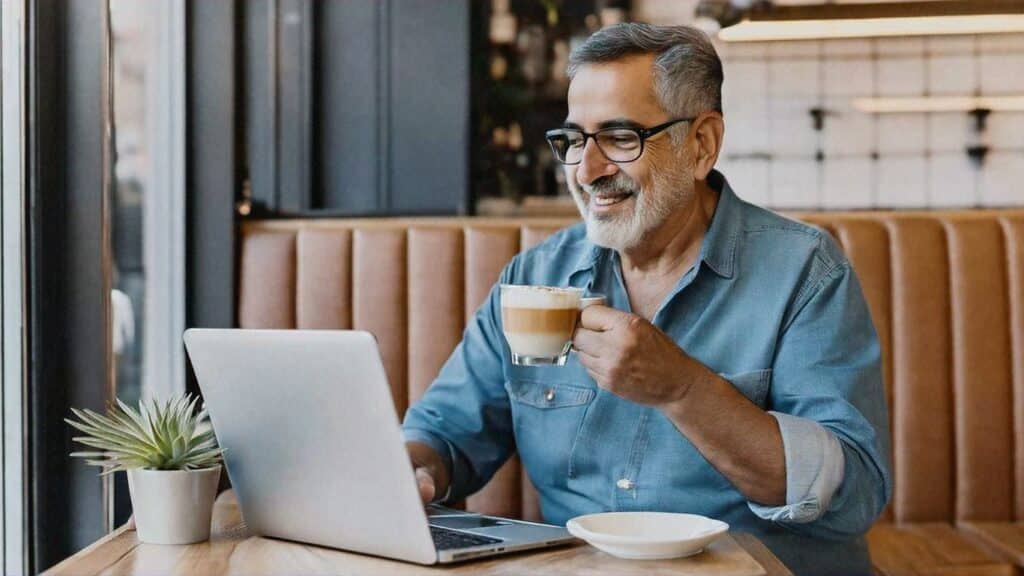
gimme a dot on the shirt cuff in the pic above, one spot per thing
(443, 448)
(814, 471)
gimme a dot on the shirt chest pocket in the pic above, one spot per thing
(753, 384)
(548, 418)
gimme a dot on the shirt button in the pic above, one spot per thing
(624, 483)
(550, 394)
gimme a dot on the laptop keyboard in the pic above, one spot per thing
(445, 539)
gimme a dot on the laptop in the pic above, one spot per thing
(315, 453)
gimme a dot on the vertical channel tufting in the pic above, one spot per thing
(266, 296)
(379, 299)
(1013, 231)
(323, 298)
(436, 302)
(981, 370)
(923, 446)
(487, 252)
(534, 235)
(866, 244)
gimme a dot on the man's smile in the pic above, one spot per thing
(604, 202)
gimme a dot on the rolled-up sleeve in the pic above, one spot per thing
(465, 414)
(828, 396)
(814, 470)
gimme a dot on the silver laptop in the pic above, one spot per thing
(315, 450)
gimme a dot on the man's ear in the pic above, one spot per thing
(708, 130)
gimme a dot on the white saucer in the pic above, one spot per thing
(647, 535)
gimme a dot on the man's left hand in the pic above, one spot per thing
(628, 356)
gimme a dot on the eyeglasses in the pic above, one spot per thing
(618, 144)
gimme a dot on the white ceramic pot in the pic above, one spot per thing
(173, 506)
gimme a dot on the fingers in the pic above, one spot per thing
(425, 482)
(594, 365)
(600, 318)
(587, 341)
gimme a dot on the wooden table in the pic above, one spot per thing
(231, 550)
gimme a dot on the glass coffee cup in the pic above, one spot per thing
(539, 321)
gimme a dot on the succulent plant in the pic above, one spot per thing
(159, 436)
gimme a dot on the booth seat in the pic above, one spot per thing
(945, 290)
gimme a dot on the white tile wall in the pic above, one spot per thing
(747, 51)
(911, 160)
(956, 45)
(902, 181)
(794, 183)
(847, 47)
(796, 78)
(746, 107)
(948, 131)
(746, 130)
(847, 131)
(749, 179)
(847, 183)
(1002, 73)
(952, 75)
(1001, 182)
(800, 49)
(854, 77)
(746, 81)
(902, 133)
(1001, 43)
(791, 127)
(1005, 130)
(913, 46)
(901, 76)
(952, 181)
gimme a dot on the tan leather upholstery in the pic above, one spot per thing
(1013, 227)
(922, 408)
(945, 290)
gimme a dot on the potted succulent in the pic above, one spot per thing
(172, 459)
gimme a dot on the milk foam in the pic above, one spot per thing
(543, 297)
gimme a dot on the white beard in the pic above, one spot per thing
(671, 190)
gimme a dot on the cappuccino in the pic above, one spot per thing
(538, 322)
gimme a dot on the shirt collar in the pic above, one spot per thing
(718, 250)
(589, 256)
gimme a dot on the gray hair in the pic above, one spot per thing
(687, 71)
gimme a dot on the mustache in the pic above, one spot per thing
(611, 185)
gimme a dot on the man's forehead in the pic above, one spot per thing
(610, 90)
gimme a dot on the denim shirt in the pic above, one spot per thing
(773, 306)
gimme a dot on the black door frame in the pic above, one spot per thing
(68, 296)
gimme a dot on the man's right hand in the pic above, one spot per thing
(431, 473)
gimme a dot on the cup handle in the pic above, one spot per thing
(592, 300)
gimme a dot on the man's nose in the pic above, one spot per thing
(594, 164)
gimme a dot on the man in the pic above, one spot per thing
(735, 371)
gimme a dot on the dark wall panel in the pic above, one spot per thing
(210, 164)
(429, 104)
(356, 107)
(259, 54)
(350, 106)
(295, 27)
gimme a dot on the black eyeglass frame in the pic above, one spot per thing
(642, 133)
